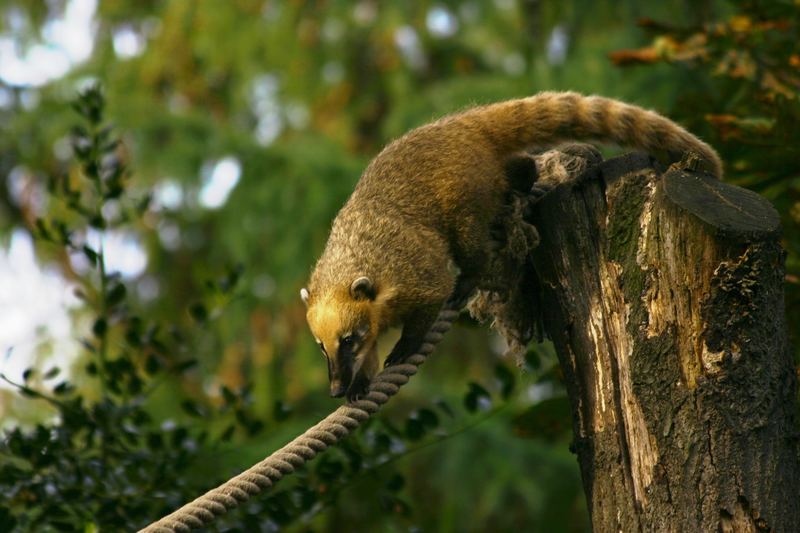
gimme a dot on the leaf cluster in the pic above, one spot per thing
(106, 460)
(741, 85)
(103, 459)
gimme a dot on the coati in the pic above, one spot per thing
(429, 198)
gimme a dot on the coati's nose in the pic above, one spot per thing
(337, 389)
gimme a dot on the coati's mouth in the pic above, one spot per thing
(354, 387)
(338, 389)
(341, 380)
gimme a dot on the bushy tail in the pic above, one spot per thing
(552, 117)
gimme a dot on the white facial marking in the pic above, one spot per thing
(358, 363)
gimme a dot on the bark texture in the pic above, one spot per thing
(664, 298)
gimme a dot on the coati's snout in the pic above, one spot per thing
(337, 389)
(343, 326)
(340, 376)
(350, 373)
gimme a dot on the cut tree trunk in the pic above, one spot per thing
(664, 298)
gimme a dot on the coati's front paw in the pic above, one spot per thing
(358, 389)
(394, 359)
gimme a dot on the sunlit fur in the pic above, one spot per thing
(336, 315)
(430, 197)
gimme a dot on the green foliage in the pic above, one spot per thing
(742, 79)
(104, 460)
(88, 465)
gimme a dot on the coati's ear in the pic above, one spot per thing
(521, 172)
(304, 295)
(362, 288)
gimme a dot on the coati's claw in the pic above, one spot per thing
(393, 359)
(358, 389)
(354, 397)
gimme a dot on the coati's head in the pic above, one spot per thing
(344, 323)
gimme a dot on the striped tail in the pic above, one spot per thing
(548, 118)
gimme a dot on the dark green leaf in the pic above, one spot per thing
(152, 364)
(81, 149)
(185, 365)
(65, 236)
(114, 191)
(477, 398)
(133, 336)
(16, 443)
(192, 408)
(110, 146)
(41, 230)
(395, 483)
(154, 440)
(144, 203)
(445, 408)
(281, 411)
(88, 345)
(91, 169)
(7, 521)
(395, 505)
(415, 430)
(97, 221)
(198, 311)
(179, 436)
(134, 384)
(79, 131)
(140, 417)
(100, 327)
(532, 360)
(63, 388)
(242, 416)
(329, 469)
(227, 395)
(254, 427)
(229, 282)
(91, 255)
(383, 442)
(116, 294)
(228, 433)
(428, 418)
(506, 380)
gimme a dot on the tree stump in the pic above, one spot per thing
(663, 294)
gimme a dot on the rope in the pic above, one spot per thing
(325, 433)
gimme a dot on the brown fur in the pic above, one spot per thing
(431, 196)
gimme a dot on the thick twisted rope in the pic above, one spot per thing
(325, 433)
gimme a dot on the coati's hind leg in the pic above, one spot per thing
(472, 256)
(465, 287)
(414, 331)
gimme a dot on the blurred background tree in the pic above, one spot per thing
(244, 125)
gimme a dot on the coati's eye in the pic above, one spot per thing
(346, 343)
